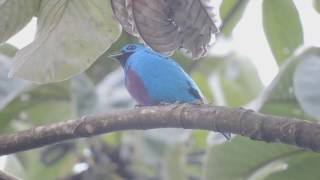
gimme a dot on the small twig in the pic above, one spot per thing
(234, 120)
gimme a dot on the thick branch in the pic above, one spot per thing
(206, 117)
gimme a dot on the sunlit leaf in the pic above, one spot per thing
(14, 15)
(231, 12)
(71, 36)
(282, 27)
(306, 84)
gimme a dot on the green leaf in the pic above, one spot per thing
(282, 27)
(237, 80)
(301, 166)
(280, 97)
(202, 82)
(243, 158)
(9, 89)
(84, 97)
(14, 15)
(35, 168)
(8, 50)
(316, 5)
(37, 106)
(306, 82)
(71, 35)
(175, 163)
(231, 12)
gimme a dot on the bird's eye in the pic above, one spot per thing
(131, 47)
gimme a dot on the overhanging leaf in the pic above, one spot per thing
(71, 35)
(168, 25)
(231, 12)
(14, 15)
(282, 27)
(306, 82)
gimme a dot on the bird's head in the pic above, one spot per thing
(125, 52)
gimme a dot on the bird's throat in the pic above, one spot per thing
(124, 58)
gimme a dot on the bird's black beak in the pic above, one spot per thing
(121, 56)
(117, 55)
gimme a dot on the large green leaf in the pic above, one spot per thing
(84, 97)
(280, 97)
(231, 12)
(300, 166)
(234, 79)
(175, 163)
(14, 15)
(306, 82)
(38, 105)
(71, 35)
(243, 158)
(282, 27)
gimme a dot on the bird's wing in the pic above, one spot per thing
(165, 79)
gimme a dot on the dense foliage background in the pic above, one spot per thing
(77, 32)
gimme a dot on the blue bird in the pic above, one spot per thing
(153, 79)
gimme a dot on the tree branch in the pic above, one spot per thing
(205, 117)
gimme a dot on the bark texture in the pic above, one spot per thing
(205, 117)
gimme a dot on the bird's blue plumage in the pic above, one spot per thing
(161, 79)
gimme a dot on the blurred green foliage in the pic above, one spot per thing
(230, 80)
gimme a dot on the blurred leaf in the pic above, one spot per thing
(237, 80)
(243, 158)
(306, 84)
(36, 169)
(9, 89)
(231, 12)
(8, 50)
(316, 5)
(84, 97)
(301, 166)
(280, 98)
(71, 36)
(14, 167)
(199, 137)
(282, 27)
(202, 82)
(14, 15)
(175, 163)
(39, 105)
(105, 65)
